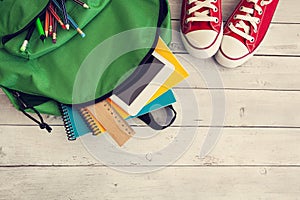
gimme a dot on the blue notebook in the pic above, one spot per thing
(163, 100)
(76, 126)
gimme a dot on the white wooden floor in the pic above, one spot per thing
(257, 157)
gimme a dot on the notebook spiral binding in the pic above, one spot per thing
(67, 123)
(90, 121)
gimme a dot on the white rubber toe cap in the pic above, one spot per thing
(202, 43)
(201, 38)
(232, 52)
(233, 48)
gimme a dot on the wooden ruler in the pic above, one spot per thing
(111, 120)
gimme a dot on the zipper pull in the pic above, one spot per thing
(23, 106)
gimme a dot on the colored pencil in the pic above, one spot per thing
(72, 22)
(57, 17)
(64, 12)
(51, 19)
(27, 38)
(81, 3)
(46, 24)
(50, 25)
(75, 26)
(54, 34)
(40, 29)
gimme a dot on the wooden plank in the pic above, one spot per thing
(287, 11)
(40, 147)
(273, 44)
(171, 183)
(259, 73)
(243, 108)
(21, 145)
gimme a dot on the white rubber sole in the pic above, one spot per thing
(199, 52)
(230, 63)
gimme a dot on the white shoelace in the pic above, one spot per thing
(203, 16)
(254, 21)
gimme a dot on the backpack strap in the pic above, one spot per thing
(160, 119)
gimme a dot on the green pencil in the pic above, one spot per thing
(40, 29)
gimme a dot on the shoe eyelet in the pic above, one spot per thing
(235, 17)
(252, 40)
(255, 31)
(215, 1)
(258, 21)
(216, 9)
(262, 3)
(216, 20)
(241, 8)
(186, 21)
(230, 24)
(260, 12)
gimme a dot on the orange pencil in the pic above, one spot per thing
(46, 25)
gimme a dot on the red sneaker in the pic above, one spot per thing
(245, 30)
(201, 27)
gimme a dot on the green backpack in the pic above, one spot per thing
(36, 80)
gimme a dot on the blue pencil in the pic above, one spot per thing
(75, 26)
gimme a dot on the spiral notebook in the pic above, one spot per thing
(78, 123)
(91, 121)
(74, 124)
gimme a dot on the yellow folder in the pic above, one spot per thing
(176, 77)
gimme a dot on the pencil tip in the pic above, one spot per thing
(67, 26)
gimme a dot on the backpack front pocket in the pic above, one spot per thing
(15, 34)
